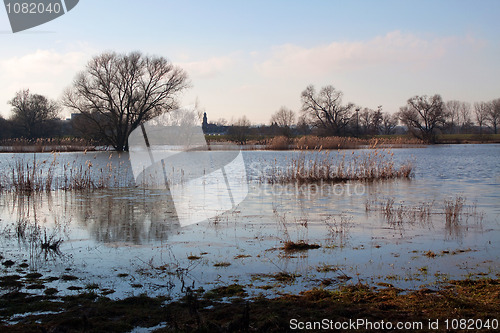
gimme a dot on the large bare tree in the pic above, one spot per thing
(116, 93)
(423, 115)
(32, 113)
(325, 110)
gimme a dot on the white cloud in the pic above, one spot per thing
(46, 72)
(208, 68)
(394, 48)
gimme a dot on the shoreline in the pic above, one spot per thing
(226, 308)
(247, 146)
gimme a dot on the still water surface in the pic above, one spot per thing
(125, 238)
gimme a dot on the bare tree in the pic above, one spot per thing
(221, 122)
(119, 92)
(389, 123)
(284, 118)
(377, 120)
(481, 110)
(423, 115)
(32, 113)
(465, 117)
(493, 115)
(5, 128)
(325, 110)
(365, 120)
(240, 130)
(453, 112)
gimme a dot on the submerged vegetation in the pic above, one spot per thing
(459, 215)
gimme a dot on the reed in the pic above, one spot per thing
(453, 210)
(21, 145)
(322, 167)
(35, 176)
(311, 142)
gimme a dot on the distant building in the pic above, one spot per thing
(211, 128)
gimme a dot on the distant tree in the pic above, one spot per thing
(377, 119)
(239, 131)
(32, 114)
(303, 127)
(465, 117)
(221, 122)
(365, 120)
(493, 115)
(118, 92)
(325, 111)
(370, 120)
(453, 115)
(5, 128)
(481, 110)
(389, 123)
(423, 116)
(284, 118)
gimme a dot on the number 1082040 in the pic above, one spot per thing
(33, 8)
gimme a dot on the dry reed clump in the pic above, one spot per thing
(27, 177)
(321, 167)
(279, 143)
(329, 142)
(46, 145)
(311, 142)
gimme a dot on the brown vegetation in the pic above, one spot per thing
(321, 167)
(211, 311)
(340, 142)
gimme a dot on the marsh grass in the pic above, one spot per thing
(302, 225)
(311, 142)
(22, 145)
(322, 167)
(453, 210)
(459, 215)
(338, 229)
(45, 175)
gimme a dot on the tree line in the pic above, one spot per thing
(423, 116)
(116, 93)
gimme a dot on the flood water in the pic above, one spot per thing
(126, 240)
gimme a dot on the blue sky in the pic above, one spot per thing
(251, 57)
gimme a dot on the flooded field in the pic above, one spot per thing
(121, 240)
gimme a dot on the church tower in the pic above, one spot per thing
(204, 126)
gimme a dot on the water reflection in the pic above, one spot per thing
(126, 216)
(122, 216)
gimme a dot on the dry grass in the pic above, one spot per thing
(299, 246)
(311, 142)
(46, 145)
(34, 176)
(322, 167)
